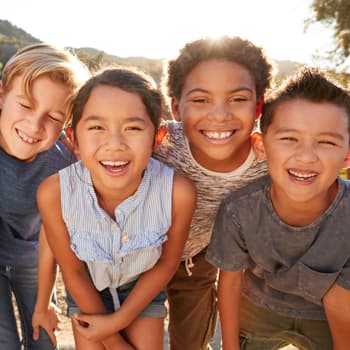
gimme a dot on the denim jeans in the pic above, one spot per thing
(155, 309)
(22, 282)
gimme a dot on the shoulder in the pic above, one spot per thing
(184, 190)
(49, 190)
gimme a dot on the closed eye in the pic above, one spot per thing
(327, 142)
(288, 138)
(133, 128)
(200, 100)
(238, 99)
(95, 127)
(25, 106)
(55, 119)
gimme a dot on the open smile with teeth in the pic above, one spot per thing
(218, 135)
(26, 138)
(114, 164)
(302, 176)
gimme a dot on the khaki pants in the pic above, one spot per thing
(192, 305)
(264, 329)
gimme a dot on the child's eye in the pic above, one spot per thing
(133, 128)
(95, 127)
(55, 119)
(238, 99)
(288, 138)
(199, 100)
(26, 106)
(328, 142)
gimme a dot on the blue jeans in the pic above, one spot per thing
(156, 307)
(22, 282)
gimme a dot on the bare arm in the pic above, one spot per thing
(336, 303)
(154, 280)
(45, 312)
(229, 296)
(75, 275)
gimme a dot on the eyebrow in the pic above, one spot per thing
(327, 133)
(129, 119)
(241, 88)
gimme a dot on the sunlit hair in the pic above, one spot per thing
(39, 60)
(310, 84)
(233, 49)
(126, 78)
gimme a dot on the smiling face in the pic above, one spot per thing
(114, 139)
(30, 126)
(217, 108)
(305, 147)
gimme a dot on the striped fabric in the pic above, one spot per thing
(117, 251)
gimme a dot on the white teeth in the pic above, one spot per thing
(302, 175)
(26, 138)
(218, 135)
(110, 163)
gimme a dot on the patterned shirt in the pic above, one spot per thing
(212, 186)
(117, 251)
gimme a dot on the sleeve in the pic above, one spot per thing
(227, 249)
(343, 279)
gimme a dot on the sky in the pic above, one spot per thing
(159, 28)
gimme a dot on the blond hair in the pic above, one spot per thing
(38, 60)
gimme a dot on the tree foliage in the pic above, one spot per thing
(334, 14)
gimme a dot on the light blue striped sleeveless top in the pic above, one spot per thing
(117, 251)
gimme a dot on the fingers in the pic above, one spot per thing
(82, 320)
(52, 335)
(36, 333)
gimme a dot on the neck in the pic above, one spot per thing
(299, 214)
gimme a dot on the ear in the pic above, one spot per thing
(72, 138)
(258, 107)
(175, 109)
(2, 95)
(258, 145)
(346, 163)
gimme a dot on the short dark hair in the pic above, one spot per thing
(234, 49)
(310, 84)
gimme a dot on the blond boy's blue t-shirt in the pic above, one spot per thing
(19, 215)
(287, 269)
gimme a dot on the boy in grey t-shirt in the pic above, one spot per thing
(289, 230)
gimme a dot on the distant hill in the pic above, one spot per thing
(12, 38)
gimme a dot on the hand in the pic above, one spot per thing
(94, 327)
(48, 319)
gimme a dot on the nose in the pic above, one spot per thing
(115, 141)
(220, 112)
(36, 122)
(306, 153)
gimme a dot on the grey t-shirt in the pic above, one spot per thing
(287, 269)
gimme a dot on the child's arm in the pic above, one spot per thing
(229, 297)
(154, 280)
(74, 272)
(45, 313)
(336, 303)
